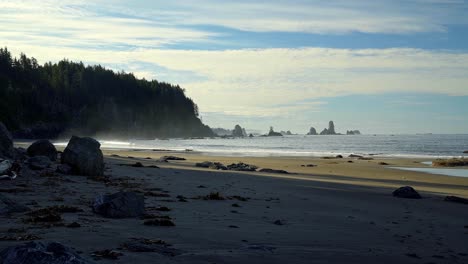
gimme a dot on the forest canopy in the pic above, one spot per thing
(64, 98)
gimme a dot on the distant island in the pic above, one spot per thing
(59, 99)
(331, 131)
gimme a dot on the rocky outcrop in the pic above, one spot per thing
(39, 162)
(43, 148)
(120, 205)
(84, 156)
(6, 143)
(238, 131)
(272, 133)
(168, 158)
(312, 131)
(406, 192)
(211, 165)
(242, 167)
(41, 253)
(330, 130)
(353, 132)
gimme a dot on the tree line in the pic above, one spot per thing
(64, 98)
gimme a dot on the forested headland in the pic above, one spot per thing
(64, 98)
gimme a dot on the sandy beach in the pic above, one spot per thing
(335, 212)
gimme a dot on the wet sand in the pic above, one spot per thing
(336, 212)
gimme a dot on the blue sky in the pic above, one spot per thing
(378, 66)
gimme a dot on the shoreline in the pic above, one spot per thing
(336, 212)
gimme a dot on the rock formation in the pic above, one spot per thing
(238, 131)
(406, 192)
(120, 205)
(43, 148)
(312, 131)
(353, 132)
(272, 133)
(84, 156)
(6, 142)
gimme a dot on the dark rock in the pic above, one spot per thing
(273, 171)
(238, 131)
(107, 254)
(355, 156)
(137, 165)
(272, 133)
(339, 156)
(9, 206)
(211, 165)
(406, 192)
(39, 162)
(74, 225)
(6, 143)
(353, 132)
(465, 152)
(456, 199)
(312, 131)
(330, 130)
(278, 222)
(383, 163)
(64, 169)
(120, 205)
(159, 222)
(20, 154)
(241, 167)
(41, 253)
(43, 148)
(84, 156)
(167, 158)
(365, 158)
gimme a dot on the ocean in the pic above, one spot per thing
(412, 146)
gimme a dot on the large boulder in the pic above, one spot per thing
(41, 253)
(43, 147)
(39, 162)
(406, 192)
(120, 205)
(8, 206)
(84, 156)
(6, 143)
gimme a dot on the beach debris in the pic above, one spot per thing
(153, 166)
(365, 158)
(150, 245)
(240, 166)
(120, 205)
(267, 170)
(107, 254)
(182, 198)
(279, 222)
(51, 213)
(25, 237)
(350, 161)
(73, 225)
(159, 222)
(39, 162)
(413, 255)
(137, 165)
(235, 205)
(238, 197)
(6, 142)
(84, 156)
(455, 162)
(201, 186)
(406, 192)
(211, 165)
(233, 226)
(383, 163)
(42, 147)
(41, 253)
(167, 158)
(115, 156)
(213, 196)
(465, 152)
(355, 156)
(9, 206)
(456, 199)
(163, 209)
(260, 247)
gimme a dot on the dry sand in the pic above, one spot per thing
(336, 212)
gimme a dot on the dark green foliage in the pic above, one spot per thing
(67, 97)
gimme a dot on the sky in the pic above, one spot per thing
(396, 67)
